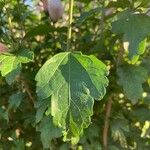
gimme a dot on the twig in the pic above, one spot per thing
(106, 124)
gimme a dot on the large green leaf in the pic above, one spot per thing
(131, 78)
(135, 27)
(73, 81)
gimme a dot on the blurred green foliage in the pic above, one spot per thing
(112, 30)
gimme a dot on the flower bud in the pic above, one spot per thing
(3, 48)
(55, 9)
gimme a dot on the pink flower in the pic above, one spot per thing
(3, 48)
(55, 9)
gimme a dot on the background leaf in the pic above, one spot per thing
(131, 78)
(135, 28)
(48, 131)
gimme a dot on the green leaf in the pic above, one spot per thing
(10, 65)
(131, 78)
(41, 106)
(19, 144)
(25, 56)
(64, 146)
(73, 81)
(144, 3)
(119, 4)
(86, 15)
(135, 28)
(113, 147)
(43, 29)
(13, 103)
(48, 131)
(142, 46)
(89, 139)
(140, 114)
(146, 64)
(12, 75)
(118, 127)
(15, 100)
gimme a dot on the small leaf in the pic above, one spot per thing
(48, 131)
(131, 78)
(73, 81)
(10, 65)
(118, 127)
(86, 15)
(12, 75)
(25, 56)
(146, 64)
(135, 28)
(15, 100)
(119, 3)
(41, 108)
(140, 114)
